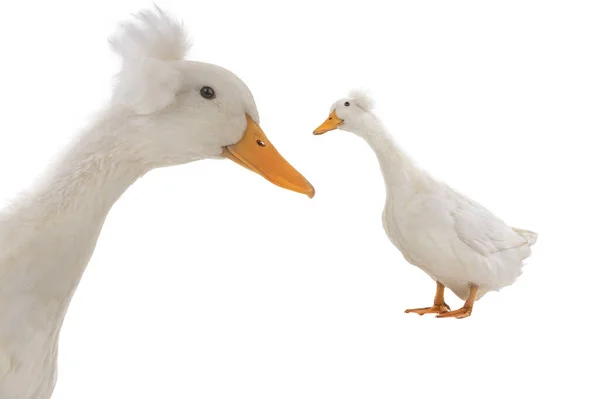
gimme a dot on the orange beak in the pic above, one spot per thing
(332, 123)
(256, 153)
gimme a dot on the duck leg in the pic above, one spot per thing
(439, 305)
(467, 308)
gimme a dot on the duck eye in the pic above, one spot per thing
(260, 143)
(207, 92)
(347, 104)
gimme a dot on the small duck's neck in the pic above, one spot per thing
(400, 173)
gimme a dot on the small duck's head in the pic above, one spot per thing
(183, 111)
(352, 113)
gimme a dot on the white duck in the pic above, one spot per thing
(165, 111)
(456, 241)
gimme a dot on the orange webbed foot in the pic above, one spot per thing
(438, 309)
(458, 313)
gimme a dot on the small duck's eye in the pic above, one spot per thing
(260, 143)
(207, 92)
(347, 104)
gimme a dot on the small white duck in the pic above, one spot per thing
(456, 241)
(165, 111)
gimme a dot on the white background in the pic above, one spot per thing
(209, 282)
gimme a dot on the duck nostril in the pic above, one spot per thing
(260, 143)
(330, 118)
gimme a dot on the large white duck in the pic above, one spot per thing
(456, 241)
(165, 111)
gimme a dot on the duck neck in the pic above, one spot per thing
(92, 173)
(399, 172)
(53, 230)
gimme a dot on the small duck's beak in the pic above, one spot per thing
(332, 123)
(256, 153)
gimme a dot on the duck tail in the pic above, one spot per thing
(530, 236)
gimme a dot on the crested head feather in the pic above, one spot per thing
(362, 99)
(152, 34)
(148, 82)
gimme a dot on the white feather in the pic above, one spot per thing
(147, 85)
(363, 99)
(151, 34)
(148, 82)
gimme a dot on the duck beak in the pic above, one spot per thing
(256, 153)
(332, 123)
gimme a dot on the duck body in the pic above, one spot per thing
(456, 241)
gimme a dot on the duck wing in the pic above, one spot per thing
(483, 231)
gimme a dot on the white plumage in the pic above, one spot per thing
(452, 238)
(164, 111)
(151, 34)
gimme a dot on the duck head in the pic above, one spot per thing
(352, 113)
(184, 111)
